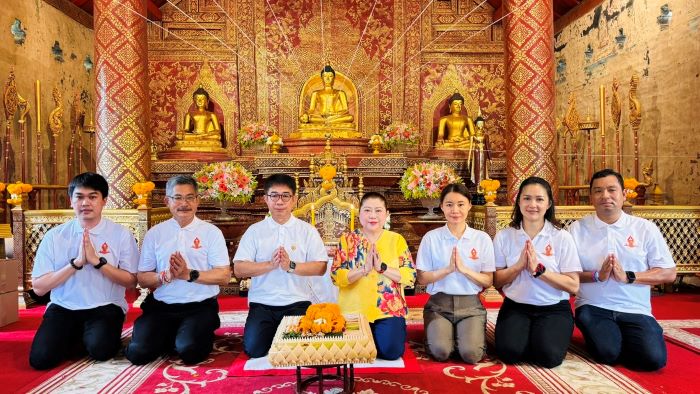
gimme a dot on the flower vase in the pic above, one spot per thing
(258, 148)
(223, 215)
(402, 148)
(431, 204)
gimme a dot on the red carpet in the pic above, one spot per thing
(678, 314)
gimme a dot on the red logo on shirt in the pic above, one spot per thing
(196, 244)
(548, 250)
(630, 242)
(105, 248)
(474, 254)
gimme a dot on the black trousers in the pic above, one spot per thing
(539, 334)
(62, 331)
(261, 325)
(187, 327)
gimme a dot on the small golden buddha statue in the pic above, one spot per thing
(328, 105)
(456, 129)
(201, 131)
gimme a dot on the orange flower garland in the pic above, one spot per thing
(319, 320)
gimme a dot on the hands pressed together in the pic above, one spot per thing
(528, 259)
(87, 253)
(611, 268)
(456, 263)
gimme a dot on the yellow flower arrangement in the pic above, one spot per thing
(16, 190)
(319, 320)
(630, 185)
(141, 189)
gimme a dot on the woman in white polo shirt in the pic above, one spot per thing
(537, 266)
(456, 262)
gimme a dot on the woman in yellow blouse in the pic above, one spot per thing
(371, 268)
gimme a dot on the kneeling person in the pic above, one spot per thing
(86, 263)
(185, 259)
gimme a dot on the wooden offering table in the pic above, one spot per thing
(355, 345)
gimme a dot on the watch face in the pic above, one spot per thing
(292, 265)
(194, 275)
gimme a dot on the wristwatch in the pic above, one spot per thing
(382, 268)
(292, 267)
(539, 270)
(72, 264)
(631, 276)
(194, 275)
(102, 262)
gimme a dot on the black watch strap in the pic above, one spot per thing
(194, 275)
(631, 276)
(102, 262)
(72, 264)
(382, 267)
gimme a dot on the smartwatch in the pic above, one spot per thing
(382, 268)
(72, 264)
(631, 276)
(539, 270)
(292, 267)
(194, 275)
(102, 262)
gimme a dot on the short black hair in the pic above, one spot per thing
(607, 172)
(376, 195)
(180, 180)
(280, 180)
(89, 180)
(517, 216)
(455, 188)
(327, 69)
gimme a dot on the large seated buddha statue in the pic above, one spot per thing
(201, 131)
(328, 111)
(455, 131)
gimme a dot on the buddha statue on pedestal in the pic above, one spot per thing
(201, 131)
(455, 131)
(328, 111)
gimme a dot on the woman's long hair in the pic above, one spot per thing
(517, 216)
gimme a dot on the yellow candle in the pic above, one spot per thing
(352, 218)
(313, 215)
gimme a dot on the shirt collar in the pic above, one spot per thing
(447, 234)
(619, 223)
(97, 230)
(288, 224)
(190, 227)
(547, 229)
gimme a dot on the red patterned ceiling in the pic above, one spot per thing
(561, 7)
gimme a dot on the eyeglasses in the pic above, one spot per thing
(284, 196)
(178, 198)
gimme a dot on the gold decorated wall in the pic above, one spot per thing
(660, 41)
(405, 58)
(41, 42)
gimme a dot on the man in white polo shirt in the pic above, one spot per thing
(185, 260)
(278, 253)
(86, 264)
(622, 257)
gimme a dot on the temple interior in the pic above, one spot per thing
(347, 97)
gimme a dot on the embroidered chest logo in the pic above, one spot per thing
(104, 249)
(196, 244)
(474, 254)
(548, 250)
(630, 242)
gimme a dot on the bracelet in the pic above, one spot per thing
(72, 264)
(596, 276)
(163, 277)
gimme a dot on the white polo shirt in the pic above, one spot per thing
(554, 248)
(638, 245)
(87, 288)
(474, 247)
(201, 244)
(302, 243)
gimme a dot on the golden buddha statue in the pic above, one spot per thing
(455, 131)
(201, 131)
(328, 111)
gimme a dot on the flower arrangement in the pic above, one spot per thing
(255, 133)
(426, 180)
(400, 133)
(141, 189)
(16, 190)
(226, 181)
(319, 320)
(630, 185)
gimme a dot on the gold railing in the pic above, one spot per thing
(679, 225)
